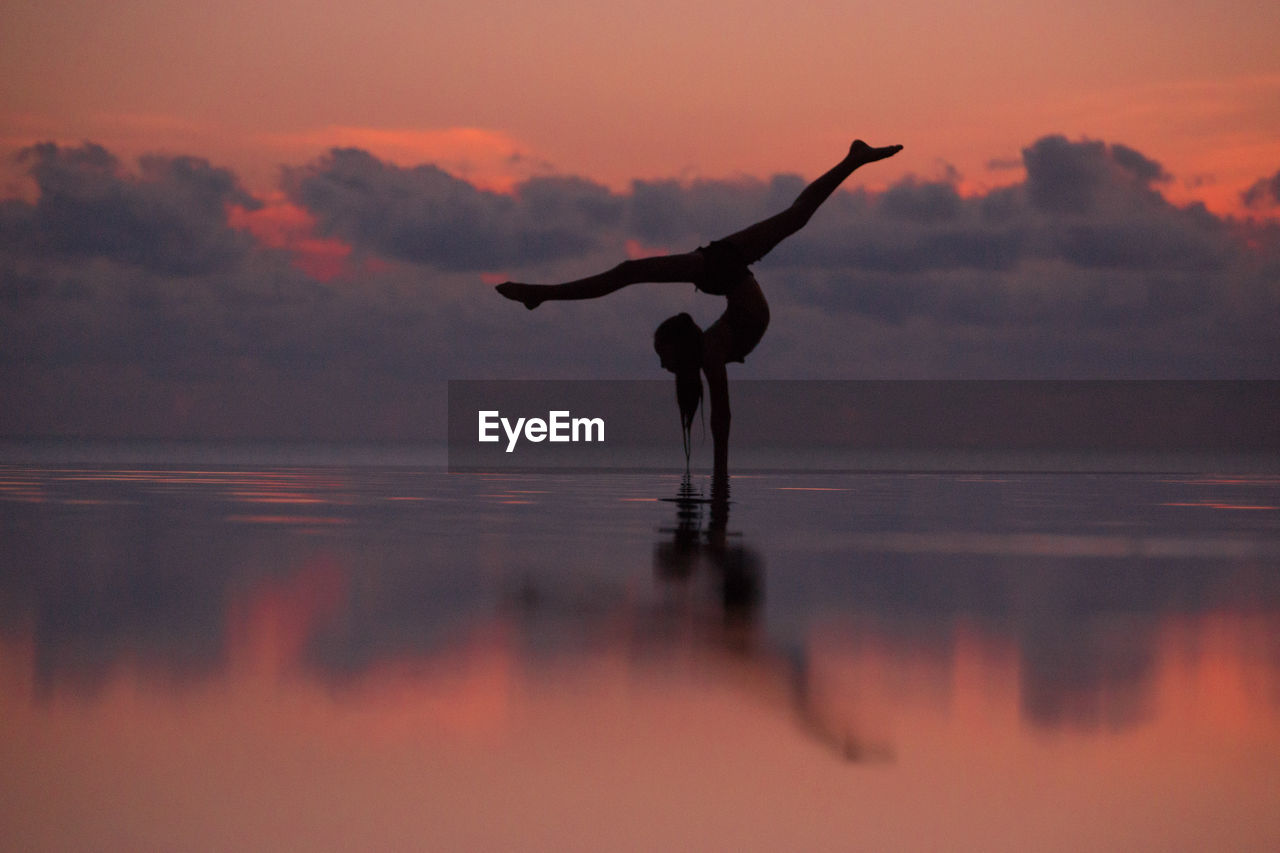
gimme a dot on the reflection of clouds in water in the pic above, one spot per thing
(1056, 545)
(145, 570)
(141, 571)
(1096, 671)
(1085, 637)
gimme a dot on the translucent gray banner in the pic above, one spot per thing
(872, 425)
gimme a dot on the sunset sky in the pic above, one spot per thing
(1087, 191)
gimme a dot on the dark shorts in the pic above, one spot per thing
(723, 268)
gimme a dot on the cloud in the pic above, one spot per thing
(170, 217)
(1086, 203)
(934, 202)
(1264, 193)
(1077, 177)
(158, 302)
(425, 215)
(1142, 168)
(484, 158)
(669, 212)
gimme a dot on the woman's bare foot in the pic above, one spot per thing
(861, 153)
(523, 293)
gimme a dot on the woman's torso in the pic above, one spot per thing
(737, 331)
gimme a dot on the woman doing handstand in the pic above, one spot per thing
(720, 268)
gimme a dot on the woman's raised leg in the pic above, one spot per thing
(753, 242)
(756, 241)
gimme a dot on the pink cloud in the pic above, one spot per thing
(280, 224)
(487, 159)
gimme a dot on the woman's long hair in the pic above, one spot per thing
(678, 341)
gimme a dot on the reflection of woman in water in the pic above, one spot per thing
(730, 634)
(720, 268)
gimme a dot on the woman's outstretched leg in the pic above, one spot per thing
(755, 241)
(662, 268)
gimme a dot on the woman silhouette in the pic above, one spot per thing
(720, 268)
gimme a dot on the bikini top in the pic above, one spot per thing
(723, 268)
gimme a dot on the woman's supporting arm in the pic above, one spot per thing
(718, 398)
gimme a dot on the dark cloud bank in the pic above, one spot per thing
(129, 306)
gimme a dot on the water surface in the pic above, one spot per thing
(399, 658)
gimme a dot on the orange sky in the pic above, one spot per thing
(650, 89)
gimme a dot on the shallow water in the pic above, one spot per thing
(378, 658)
